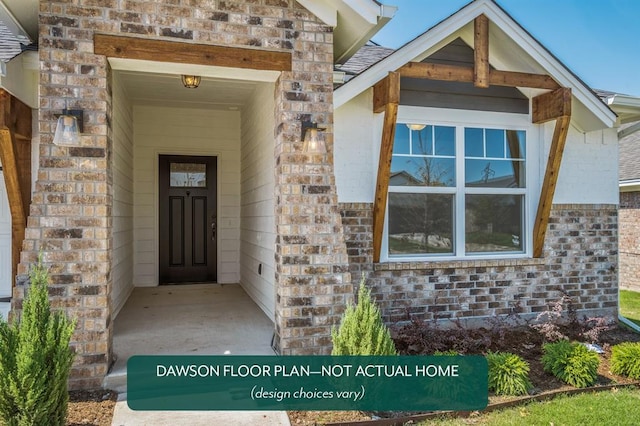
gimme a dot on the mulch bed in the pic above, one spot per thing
(521, 340)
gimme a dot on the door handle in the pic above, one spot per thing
(214, 227)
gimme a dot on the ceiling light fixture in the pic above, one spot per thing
(416, 127)
(191, 81)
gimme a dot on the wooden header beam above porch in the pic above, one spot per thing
(15, 155)
(191, 53)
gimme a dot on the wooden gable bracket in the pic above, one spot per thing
(190, 53)
(549, 106)
(481, 75)
(386, 97)
(15, 155)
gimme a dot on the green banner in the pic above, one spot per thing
(407, 383)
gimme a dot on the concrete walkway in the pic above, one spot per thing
(201, 319)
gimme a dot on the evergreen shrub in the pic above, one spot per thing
(361, 330)
(35, 360)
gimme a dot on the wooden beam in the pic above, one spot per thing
(386, 91)
(466, 75)
(481, 52)
(190, 53)
(437, 72)
(522, 79)
(384, 173)
(552, 105)
(549, 184)
(15, 155)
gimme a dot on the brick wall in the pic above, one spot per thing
(630, 241)
(71, 215)
(580, 258)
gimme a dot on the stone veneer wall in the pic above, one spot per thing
(71, 215)
(580, 258)
(630, 241)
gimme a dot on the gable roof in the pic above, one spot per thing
(511, 48)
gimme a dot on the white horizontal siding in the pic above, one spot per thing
(122, 265)
(257, 200)
(185, 131)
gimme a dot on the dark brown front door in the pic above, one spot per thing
(188, 219)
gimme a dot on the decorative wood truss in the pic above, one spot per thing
(553, 105)
(15, 155)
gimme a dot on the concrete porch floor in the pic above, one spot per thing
(195, 319)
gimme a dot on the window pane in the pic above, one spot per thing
(191, 175)
(445, 138)
(420, 224)
(494, 173)
(516, 143)
(422, 171)
(495, 143)
(401, 141)
(493, 223)
(473, 142)
(421, 142)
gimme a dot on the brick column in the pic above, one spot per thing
(70, 216)
(312, 278)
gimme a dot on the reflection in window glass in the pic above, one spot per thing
(473, 142)
(494, 173)
(493, 223)
(188, 175)
(516, 144)
(445, 140)
(421, 141)
(495, 143)
(422, 171)
(420, 224)
(401, 141)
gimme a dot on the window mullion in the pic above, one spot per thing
(460, 193)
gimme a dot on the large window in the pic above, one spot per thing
(457, 191)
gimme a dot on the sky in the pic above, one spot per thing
(599, 40)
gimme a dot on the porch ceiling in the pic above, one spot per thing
(167, 89)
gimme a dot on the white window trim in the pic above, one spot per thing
(467, 118)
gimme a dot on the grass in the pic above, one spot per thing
(630, 305)
(598, 408)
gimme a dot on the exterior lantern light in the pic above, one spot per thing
(191, 81)
(68, 128)
(313, 138)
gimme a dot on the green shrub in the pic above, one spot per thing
(625, 359)
(508, 374)
(572, 363)
(35, 360)
(361, 330)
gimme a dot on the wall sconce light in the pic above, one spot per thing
(312, 137)
(68, 128)
(416, 127)
(191, 81)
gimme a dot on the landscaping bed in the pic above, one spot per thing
(419, 338)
